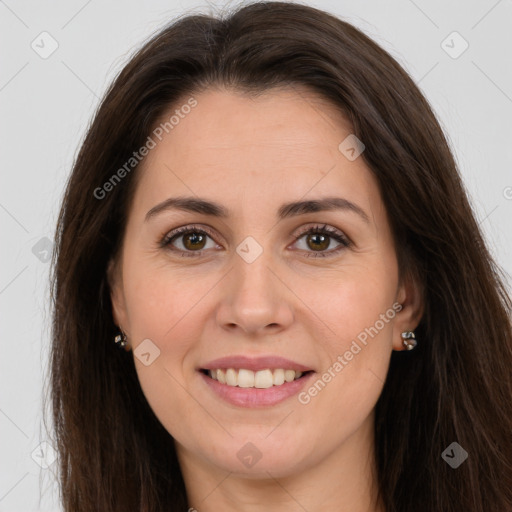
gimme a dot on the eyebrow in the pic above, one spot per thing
(287, 210)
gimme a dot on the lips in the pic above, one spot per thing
(255, 364)
(255, 381)
(253, 397)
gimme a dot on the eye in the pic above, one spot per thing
(193, 240)
(319, 238)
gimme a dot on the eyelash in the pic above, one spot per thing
(324, 230)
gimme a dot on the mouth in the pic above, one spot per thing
(261, 379)
(247, 381)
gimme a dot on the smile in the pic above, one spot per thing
(255, 389)
(261, 379)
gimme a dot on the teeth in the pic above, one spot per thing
(262, 379)
(221, 376)
(278, 377)
(245, 379)
(248, 379)
(231, 377)
(289, 375)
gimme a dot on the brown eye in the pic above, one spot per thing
(318, 242)
(318, 239)
(189, 240)
(194, 240)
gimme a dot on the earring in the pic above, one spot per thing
(409, 340)
(122, 341)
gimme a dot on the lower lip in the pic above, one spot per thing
(256, 397)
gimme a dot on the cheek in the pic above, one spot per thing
(160, 305)
(163, 308)
(352, 300)
(357, 306)
(161, 300)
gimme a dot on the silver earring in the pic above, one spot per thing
(120, 340)
(409, 340)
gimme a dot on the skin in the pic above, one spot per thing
(239, 151)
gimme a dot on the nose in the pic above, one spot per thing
(255, 299)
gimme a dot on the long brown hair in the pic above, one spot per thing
(456, 386)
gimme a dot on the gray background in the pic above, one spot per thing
(46, 104)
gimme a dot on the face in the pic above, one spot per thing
(317, 288)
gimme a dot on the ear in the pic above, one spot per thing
(117, 298)
(410, 296)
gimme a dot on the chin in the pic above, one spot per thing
(264, 468)
(259, 456)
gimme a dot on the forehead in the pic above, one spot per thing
(282, 143)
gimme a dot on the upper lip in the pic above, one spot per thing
(255, 363)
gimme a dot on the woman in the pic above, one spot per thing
(266, 216)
